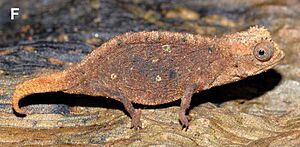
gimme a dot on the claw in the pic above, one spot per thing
(184, 121)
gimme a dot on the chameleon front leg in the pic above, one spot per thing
(185, 104)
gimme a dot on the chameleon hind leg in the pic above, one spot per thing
(135, 114)
(93, 89)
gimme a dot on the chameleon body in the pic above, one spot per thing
(154, 68)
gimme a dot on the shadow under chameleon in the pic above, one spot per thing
(246, 89)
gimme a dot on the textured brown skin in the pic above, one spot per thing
(154, 68)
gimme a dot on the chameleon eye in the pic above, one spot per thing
(263, 51)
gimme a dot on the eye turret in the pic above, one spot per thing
(263, 51)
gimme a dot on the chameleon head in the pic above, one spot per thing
(250, 53)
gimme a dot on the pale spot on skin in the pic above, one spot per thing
(167, 48)
(154, 60)
(158, 78)
(113, 76)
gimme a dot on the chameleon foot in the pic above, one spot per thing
(136, 120)
(183, 119)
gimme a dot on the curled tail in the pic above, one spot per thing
(49, 83)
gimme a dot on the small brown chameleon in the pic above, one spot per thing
(154, 68)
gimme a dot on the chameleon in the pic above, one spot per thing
(158, 67)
